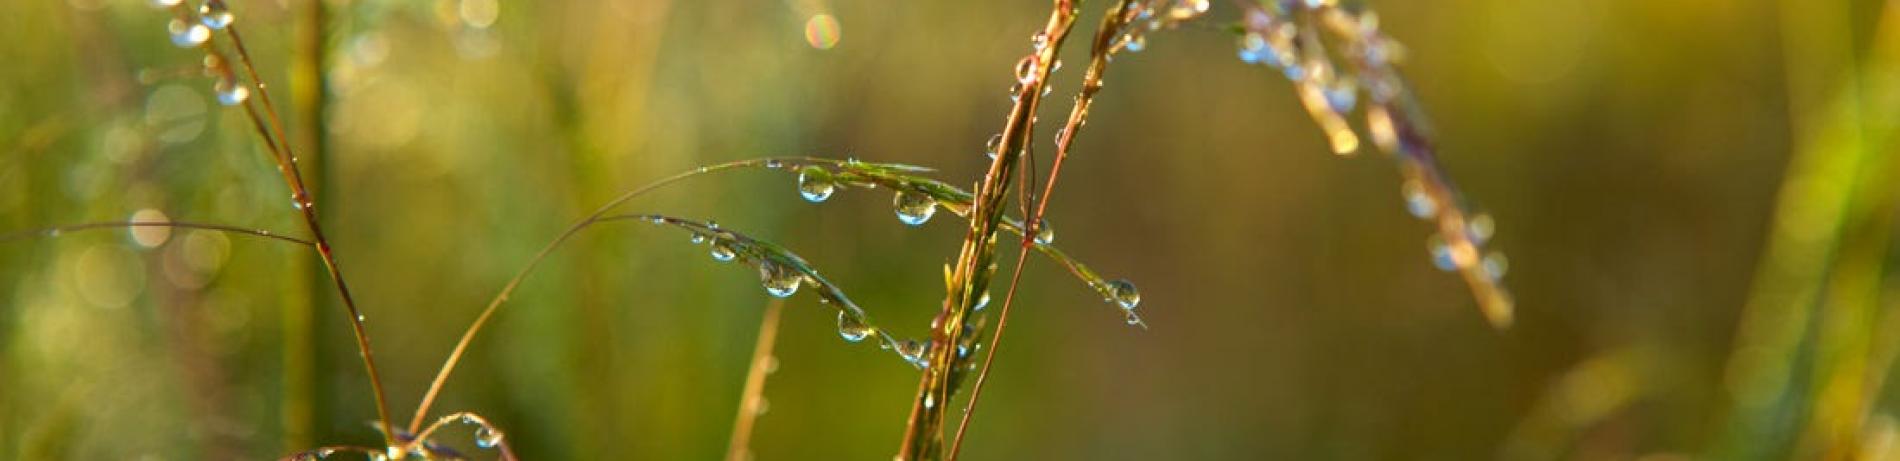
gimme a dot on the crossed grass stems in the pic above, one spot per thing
(1291, 36)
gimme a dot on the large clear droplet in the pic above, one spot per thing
(914, 208)
(215, 15)
(851, 328)
(1124, 293)
(815, 184)
(994, 146)
(188, 34)
(230, 93)
(913, 351)
(780, 281)
(1045, 235)
(486, 438)
(722, 250)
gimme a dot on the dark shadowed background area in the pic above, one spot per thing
(1667, 178)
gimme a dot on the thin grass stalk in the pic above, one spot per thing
(923, 436)
(234, 230)
(494, 305)
(738, 447)
(1100, 50)
(305, 203)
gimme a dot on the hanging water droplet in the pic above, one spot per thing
(1253, 48)
(188, 34)
(1480, 228)
(698, 238)
(215, 15)
(1026, 69)
(774, 163)
(1441, 253)
(1495, 265)
(1039, 41)
(1342, 95)
(1045, 235)
(914, 208)
(1123, 293)
(815, 184)
(982, 301)
(294, 203)
(1132, 319)
(851, 328)
(913, 351)
(780, 281)
(722, 250)
(930, 400)
(230, 93)
(1417, 200)
(486, 438)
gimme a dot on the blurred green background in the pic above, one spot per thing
(1696, 197)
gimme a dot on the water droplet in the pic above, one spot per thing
(1253, 48)
(230, 93)
(994, 145)
(851, 328)
(1480, 228)
(1132, 319)
(188, 34)
(1495, 265)
(930, 400)
(722, 250)
(1134, 43)
(166, 3)
(914, 208)
(1026, 69)
(774, 163)
(698, 238)
(982, 301)
(1039, 41)
(1045, 235)
(780, 281)
(1125, 294)
(1441, 254)
(1342, 95)
(294, 203)
(1417, 201)
(822, 31)
(913, 351)
(215, 15)
(815, 184)
(486, 438)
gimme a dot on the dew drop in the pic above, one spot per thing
(982, 301)
(914, 208)
(815, 184)
(188, 34)
(1045, 235)
(1480, 228)
(722, 250)
(486, 438)
(1253, 48)
(1124, 294)
(1441, 254)
(166, 3)
(1495, 265)
(1132, 319)
(994, 145)
(774, 163)
(215, 15)
(913, 351)
(1039, 41)
(230, 93)
(1417, 201)
(851, 328)
(1341, 96)
(780, 281)
(1134, 43)
(698, 238)
(930, 400)
(1026, 70)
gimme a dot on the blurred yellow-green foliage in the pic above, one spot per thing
(1696, 197)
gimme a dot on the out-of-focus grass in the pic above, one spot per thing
(1633, 153)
